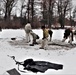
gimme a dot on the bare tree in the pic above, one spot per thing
(74, 12)
(50, 11)
(44, 11)
(1, 8)
(48, 6)
(64, 6)
(74, 15)
(9, 4)
(23, 6)
(28, 9)
(32, 10)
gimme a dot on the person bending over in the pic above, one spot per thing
(44, 43)
(68, 34)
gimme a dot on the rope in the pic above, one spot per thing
(17, 63)
(20, 70)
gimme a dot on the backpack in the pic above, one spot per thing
(50, 32)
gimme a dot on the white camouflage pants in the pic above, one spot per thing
(44, 43)
(27, 37)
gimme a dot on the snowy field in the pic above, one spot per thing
(22, 51)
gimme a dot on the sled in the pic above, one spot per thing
(37, 66)
(40, 66)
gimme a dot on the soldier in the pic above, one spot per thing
(44, 43)
(27, 30)
(68, 33)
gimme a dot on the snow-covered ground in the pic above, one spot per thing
(24, 51)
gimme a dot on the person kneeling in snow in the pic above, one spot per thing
(44, 43)
(35, 36)
(68, 33)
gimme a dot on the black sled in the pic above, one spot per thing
(38, 66)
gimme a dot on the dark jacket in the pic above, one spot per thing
(67, 33)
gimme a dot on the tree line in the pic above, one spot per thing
(38, 12)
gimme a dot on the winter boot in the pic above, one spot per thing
(63, 39)
(31, 44)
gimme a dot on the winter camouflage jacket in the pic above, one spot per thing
(28, 28)
(45, 33)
